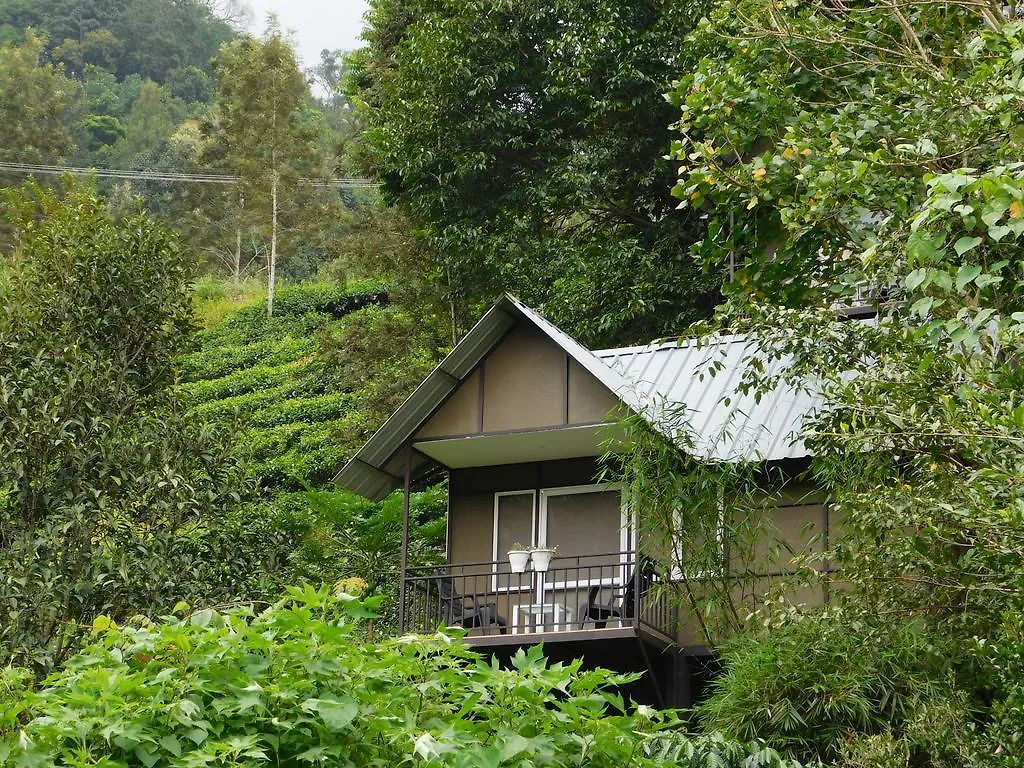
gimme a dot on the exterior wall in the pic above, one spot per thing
(460, 414)
(588, 398)
(471, 505)
(526, 382)
(794, 520)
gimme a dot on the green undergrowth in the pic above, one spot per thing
(297, 684)
(298, 417)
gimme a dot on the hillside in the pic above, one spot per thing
(271, 379)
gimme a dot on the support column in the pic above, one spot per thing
(405, 537)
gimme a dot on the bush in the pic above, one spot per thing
(814, 683)
(331, 299)
(294, 685)
(216, 360)
(237, 383)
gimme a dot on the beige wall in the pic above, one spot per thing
(589, 399)
(460, 414)
(785, 524)
(524, 382)
(528, 382)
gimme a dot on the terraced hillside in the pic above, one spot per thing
(299, 413)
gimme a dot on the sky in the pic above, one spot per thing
(318, 24)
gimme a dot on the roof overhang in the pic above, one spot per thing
(520, 446)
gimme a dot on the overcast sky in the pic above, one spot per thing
(318, 24)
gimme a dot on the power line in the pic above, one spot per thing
(172, 176)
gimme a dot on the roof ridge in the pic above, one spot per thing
(680, 343)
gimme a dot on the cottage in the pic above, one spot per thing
(516, 415)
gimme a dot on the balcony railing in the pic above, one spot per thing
(575, 594)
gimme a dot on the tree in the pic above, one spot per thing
(98, 48)
(260, 98)
(111, 500)
(526, 142)
(36, 104)
(153, 118)
(872, 156)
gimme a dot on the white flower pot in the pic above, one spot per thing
(518, 559)
(542, 559)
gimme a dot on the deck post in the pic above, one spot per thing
(405, 537)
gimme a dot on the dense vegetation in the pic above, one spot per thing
(527, 144)
(807, 157)
(295, 685)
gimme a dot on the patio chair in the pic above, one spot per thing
(455, 612)
(624, 610)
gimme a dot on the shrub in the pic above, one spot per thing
(216, 360)
(808, 686)
(294, 685)
(332, 299)
(238, 383)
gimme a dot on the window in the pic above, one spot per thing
(513, 524)
(679, 547)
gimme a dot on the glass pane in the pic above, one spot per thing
(586, 527)
(515, 526)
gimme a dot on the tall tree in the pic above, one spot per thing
(527, 143)
(36, 101)
(260, 100)
(106, 489)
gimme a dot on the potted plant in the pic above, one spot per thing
(518, 557)
(542, 557)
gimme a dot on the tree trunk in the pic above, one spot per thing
(238, 254)
(272, 259)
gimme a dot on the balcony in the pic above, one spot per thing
(578, 598)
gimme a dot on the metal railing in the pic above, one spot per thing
(579, 593)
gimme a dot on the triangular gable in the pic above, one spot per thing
(378, 467)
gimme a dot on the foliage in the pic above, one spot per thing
(1004, 657)
(873, 157)
(721, 559)
(36, 102)
(148, 37)
(293, 684)
(808, 686)
(278, 379)
(352, 353)
(346, 536)
(526, 143)
(108, 493)
(260, 131)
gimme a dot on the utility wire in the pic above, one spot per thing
(188, 178)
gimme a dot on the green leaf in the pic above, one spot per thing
(915, 279)
(336, 714)
(966, 274)
(922, 249)
(964, 244)
(997, 233)
(171, 744)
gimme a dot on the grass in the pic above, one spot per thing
(216, 299)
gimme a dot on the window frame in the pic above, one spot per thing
(627, 537)
(532, 493)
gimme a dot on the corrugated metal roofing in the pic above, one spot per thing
(670, 384)
(679, 393)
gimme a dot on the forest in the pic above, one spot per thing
(264, 261)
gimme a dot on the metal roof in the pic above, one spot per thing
(669, 384)
(691, 392)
